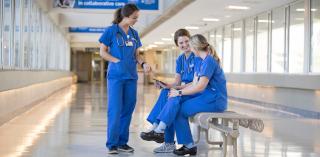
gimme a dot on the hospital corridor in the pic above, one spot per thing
(112, 78)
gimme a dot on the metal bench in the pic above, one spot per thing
(227, 123)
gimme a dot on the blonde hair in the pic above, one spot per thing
(199, 42)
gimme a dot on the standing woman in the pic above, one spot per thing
(119, 45)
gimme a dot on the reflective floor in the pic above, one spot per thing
(72, 123)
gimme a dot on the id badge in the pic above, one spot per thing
(129, 43)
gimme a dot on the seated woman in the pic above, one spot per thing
(207, 93)
(184, 75)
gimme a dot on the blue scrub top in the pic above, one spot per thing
(210, 68)
(185, 67)
(115, 38)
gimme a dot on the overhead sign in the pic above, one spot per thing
(107, 4)
(86, 29)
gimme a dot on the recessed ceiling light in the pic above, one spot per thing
(191, 27)
(166, 39)
(238, 7)
(172, 34)
(210, 19)
(158, 42)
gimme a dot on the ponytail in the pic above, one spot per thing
(125, 11)
(117, 16)
(199, 42)
(213, 53)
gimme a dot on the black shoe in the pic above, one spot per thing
(152, 136)
(125, 148)
(113, 150)
(184, 151)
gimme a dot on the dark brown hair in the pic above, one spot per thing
(125, 11)
(180, 33)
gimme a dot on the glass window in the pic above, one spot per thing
(278, 40)
(17, 34)
(237, 41)
(7, 34)
(33, 24)
(212, 38)
(249, 34)
(227, 49)
(1, 34)
(219, 43)
(262, 43)
(296, 38)
(26, 35)
(315, 42)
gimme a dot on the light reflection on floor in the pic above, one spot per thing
(72, 123)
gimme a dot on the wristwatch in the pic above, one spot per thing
(180, 92)
(142, 64)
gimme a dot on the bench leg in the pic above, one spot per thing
(235, 154)
(225, 145)
(198, 134)
(225, 138)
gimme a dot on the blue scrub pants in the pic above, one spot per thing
(152, 118)
(179, 109)
(122, 96)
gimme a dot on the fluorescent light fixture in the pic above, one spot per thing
(235, 7)
(227, 16)
(210, 19)
(158, 42)
(172, 34)
(212, 36)
(301, 9)
(191, 27)
(236, 29)
(151, 46)
(299, 19)
(166, 39)
(265, 21)
(219, 36)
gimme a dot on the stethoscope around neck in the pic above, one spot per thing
(120, 40)
(189, 66)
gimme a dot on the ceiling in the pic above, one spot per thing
(155, 25)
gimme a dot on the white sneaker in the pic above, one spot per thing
(165, 148)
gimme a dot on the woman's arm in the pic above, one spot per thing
(192, 89)
(106, 55)
(146, 67)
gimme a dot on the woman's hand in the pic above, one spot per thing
(157, 85)
(146, 67)
(173, 92)
(116, 60)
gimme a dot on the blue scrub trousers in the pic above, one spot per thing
(152, 118)
(122, 96)
(178, 110)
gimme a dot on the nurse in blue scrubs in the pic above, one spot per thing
(185, 64)
(207, 93)
(119, 45)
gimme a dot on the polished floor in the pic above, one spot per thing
(72, 123)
